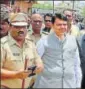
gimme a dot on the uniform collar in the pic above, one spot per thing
(11, 39)
(36, 35)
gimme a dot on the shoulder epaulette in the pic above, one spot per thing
(4, 40)
(29, 39)
(45, 33)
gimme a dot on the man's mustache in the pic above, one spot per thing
(17, 33)
(20, 32)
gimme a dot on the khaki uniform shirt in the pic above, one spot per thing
(44, 33)
(35, 37)
(13, 59)
(75, 30)
(82, 31)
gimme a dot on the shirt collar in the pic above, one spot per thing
(58, 37)
(11, 39)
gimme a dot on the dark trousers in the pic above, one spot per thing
(83, 82)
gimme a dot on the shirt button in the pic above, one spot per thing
(63, 76)
(63, 60)
(64, 68)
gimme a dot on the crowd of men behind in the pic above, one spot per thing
(54, 45)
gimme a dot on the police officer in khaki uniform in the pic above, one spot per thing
(35, 33)
(18, 52)
(72, 28)
(36, 27)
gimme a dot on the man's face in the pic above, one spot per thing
(69, 15)
(60, 26)
(48, 22)
(37, 23)
(18, 32)
(4, 28)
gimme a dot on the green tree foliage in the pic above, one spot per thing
(43, 6)
(83, 11)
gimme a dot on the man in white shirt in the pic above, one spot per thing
(60, 56)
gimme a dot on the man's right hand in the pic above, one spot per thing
(22, 74)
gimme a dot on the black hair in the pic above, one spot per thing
(48, 14)
(59, 16)
(6, 20)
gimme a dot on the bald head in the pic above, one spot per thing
(36, 22)
(69, 14)
(34, 16)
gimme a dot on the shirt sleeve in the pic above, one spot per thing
(78, 73)
(40, 47)
(3, 52)
(37, 58)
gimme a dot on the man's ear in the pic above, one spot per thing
(10, 27)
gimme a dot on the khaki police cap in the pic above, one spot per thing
(18, 19)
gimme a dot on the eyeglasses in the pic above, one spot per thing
(47, 20)
(68, 15)
(37, 21)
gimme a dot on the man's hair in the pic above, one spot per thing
(68, 10)
(48, 14)
(59, 16)
(4, 12)
(6, 20)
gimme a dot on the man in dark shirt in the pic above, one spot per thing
(48, 23)
(81, 44)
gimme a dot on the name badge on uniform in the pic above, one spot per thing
(16, 54)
